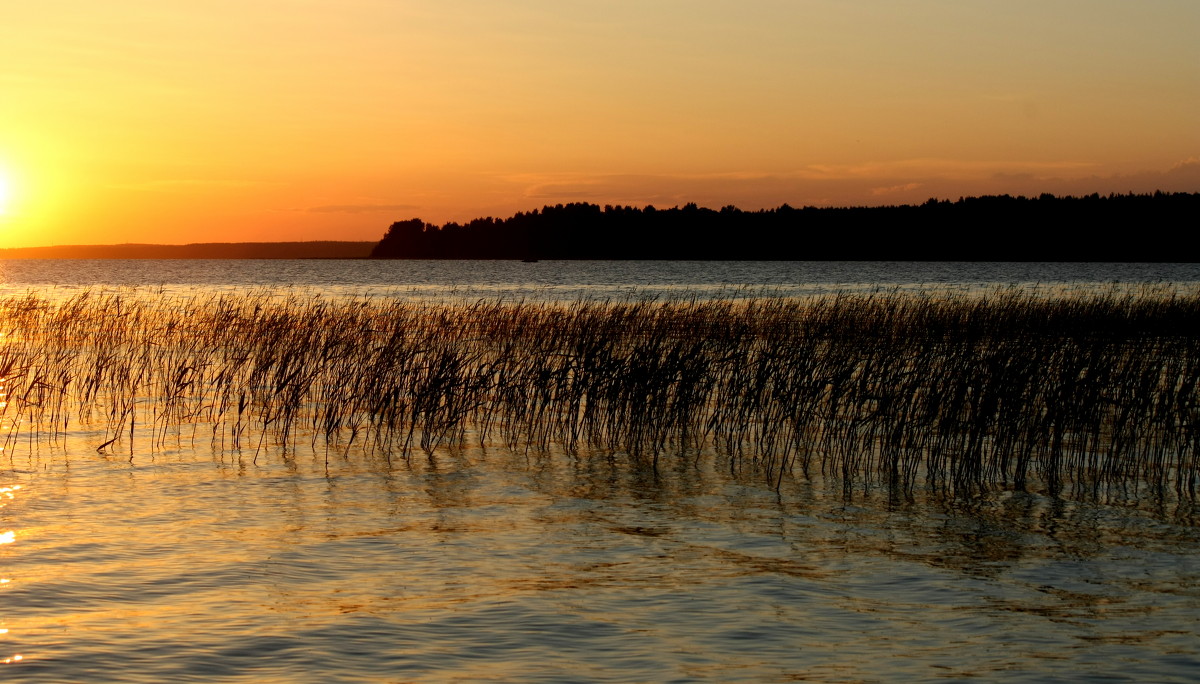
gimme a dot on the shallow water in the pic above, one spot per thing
(473, 564)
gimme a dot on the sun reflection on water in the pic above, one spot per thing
(6, 493)
(8, 537)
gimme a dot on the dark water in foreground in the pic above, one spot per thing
(474, 564)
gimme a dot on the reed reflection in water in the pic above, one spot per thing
(494, 565)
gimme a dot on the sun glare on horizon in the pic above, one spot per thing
(5, 192)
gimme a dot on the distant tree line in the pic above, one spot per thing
(1115, 227)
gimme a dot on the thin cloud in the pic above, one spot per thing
(897, 182)
(891, 190)
(939, 168)
(361, 208)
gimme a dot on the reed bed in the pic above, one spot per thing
(1095, 393)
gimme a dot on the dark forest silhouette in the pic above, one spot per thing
(1132, 227)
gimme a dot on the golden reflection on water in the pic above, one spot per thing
(10, 536)
(6, 493)
(688, 568)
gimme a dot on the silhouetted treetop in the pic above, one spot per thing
(1131, 227)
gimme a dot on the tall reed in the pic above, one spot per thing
(1091, 394)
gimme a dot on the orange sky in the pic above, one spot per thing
(172, 122)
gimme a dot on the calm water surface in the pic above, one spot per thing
(565, 280)
(474, 564)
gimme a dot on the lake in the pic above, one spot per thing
(566, 280)
(177, 558)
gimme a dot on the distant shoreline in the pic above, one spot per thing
(318, 249)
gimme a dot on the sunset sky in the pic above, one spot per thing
(244, 120)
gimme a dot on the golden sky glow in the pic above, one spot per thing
(5, 192)
(235, 120)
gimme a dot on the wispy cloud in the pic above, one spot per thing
(361, 208)
(891, 190)
(963, 169)
(870, 182)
